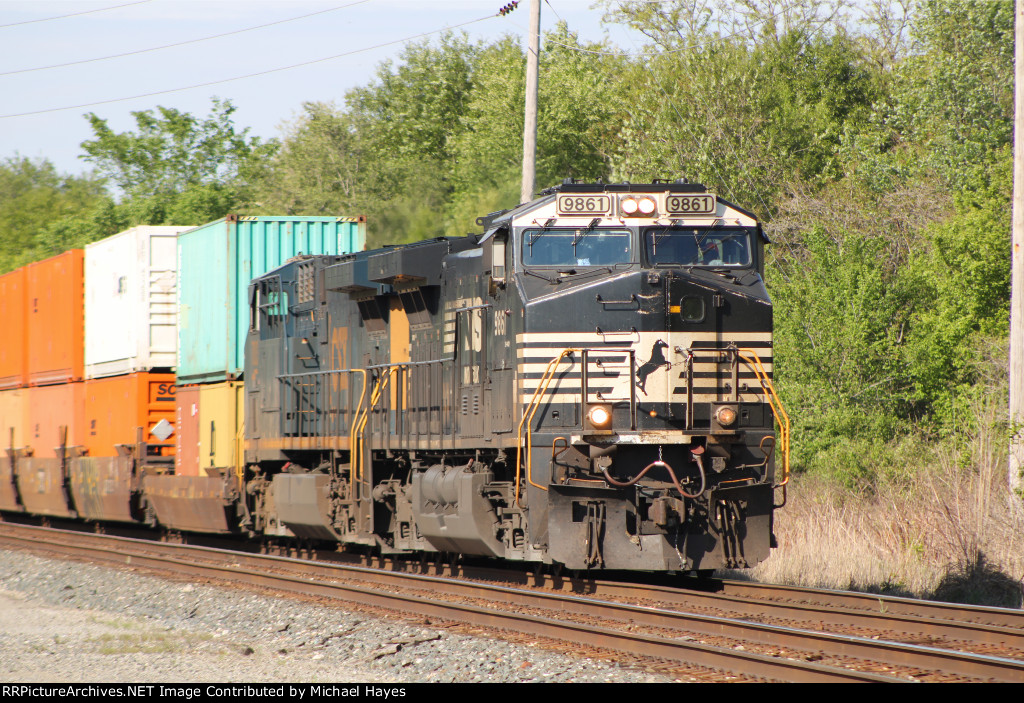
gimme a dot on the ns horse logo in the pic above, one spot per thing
(656, 361)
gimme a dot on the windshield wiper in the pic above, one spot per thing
(534, 273)
(580, 234)
(589, 272)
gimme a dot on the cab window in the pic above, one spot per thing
(577, 247)
(697, 246)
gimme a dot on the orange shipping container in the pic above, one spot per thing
(12, 432)
(12, 419)
(50, 410)
(56, 318)
(116, 406)
(13, 348)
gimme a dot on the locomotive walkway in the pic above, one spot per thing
(738, 631)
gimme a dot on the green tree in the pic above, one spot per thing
(950, 110)
(578, 106)
(318, 169)
(177, 168)
(34, 198)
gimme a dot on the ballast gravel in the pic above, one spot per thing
(69, 622)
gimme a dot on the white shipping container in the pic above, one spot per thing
(131, 317)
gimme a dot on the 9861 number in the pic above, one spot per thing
(583, 204)
(691, 204)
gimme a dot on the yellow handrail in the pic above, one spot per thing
(353, 448)
(527, 419)
(239, 455)
(378, 391)
(776, 404)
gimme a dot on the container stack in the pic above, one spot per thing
(41, 367)
(13, 363)
(216, 262)
(130, 340)
(41, 374)
(124, 361)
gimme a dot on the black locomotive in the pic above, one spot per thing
(585, 383)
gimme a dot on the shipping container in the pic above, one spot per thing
(55, 419)
(215, 264)
(12, 418)
(186, 431)
(14, 313)
(131, 302)
(56, 319)
(116, 406)
(53, 437)
(221, 417)
(13, 408)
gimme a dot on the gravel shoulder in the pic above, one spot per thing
(77, 623)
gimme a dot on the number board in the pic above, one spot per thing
(705, 204)
(584, 204)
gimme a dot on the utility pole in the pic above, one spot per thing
(1017, 265)
(530, 123)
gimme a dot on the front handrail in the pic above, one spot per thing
(531, 408)
(527, 420)
(754, 362)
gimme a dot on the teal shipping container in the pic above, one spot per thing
(216, 261)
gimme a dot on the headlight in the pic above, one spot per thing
(631, 206)
(726, 416)
(599, 417)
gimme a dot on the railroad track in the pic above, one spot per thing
(741, 631)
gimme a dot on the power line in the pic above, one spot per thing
(248, 75)
(182, 43)
(75, 14)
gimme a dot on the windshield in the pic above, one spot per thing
(577, 247)
(697, 246)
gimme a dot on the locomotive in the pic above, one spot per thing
(585, 383)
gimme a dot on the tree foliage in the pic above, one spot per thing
(175, 167)
(35, 204)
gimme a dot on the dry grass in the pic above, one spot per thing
(951, 530)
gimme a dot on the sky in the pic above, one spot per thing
(36, 34)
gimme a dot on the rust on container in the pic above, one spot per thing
(191, 503)
(186, 427)
(55, 315)
(117, 405)
(13, 312)
(105, 488)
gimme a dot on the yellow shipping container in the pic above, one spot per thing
(221, 419)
